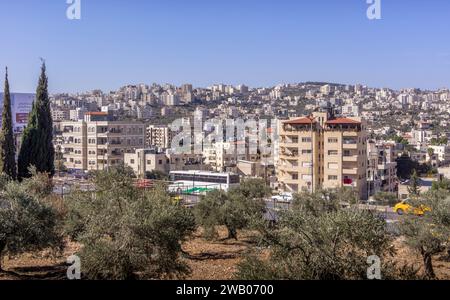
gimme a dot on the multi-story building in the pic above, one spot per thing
(159, 137)
(222, 155)
(60, 115)
(144, 161)
(382, 168)
(77, 114)
(97, 143)
(322, 152)
(441, 153)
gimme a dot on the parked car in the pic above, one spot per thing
(283, 197)
(405, 207)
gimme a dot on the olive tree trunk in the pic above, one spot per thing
(2, 248)
(232, 233)
(428, 264)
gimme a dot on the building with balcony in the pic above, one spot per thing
(97, 143)
(159, 137)
(322, 152)
(382, 167)
(222, 155)
(144, 161)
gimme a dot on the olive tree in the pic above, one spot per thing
(126, 232)
(319, 240)
(27, 221)
(234, 209)
(429, 234)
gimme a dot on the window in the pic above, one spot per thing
(332, 177)
(306, 151)
(149, 162)
(333, 166)
(333, 152)
(295, 176)
(332, 140)
(306, 140)
(131, 161)
(307, 177)
(350, 141)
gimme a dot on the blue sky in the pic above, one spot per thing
(257, 42)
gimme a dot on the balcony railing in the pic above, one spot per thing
(350, 146)
(353, 171)
(350, 158)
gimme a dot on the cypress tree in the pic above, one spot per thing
(37, 141)
(7, 146)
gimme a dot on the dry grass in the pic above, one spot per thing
(215, 260)
(208, 260)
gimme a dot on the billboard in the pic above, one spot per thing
(21, 105)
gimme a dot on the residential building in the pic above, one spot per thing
(381, 168)
(159, 137)
(221, 155)
(144, 161)
(321, 151)
(60, 115)
(97, 143)
(424, 186)
(442, 154)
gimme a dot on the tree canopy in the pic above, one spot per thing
(320, 240)
(234, 209)
(127, 232)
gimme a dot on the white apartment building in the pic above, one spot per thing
(441, 154)
(159, 137)
(222, 155)
(381, 168)
(60, 115)
(77, 114)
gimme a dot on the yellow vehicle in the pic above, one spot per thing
(405, 207)
(177, 200)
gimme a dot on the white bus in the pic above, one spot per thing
(199, 182)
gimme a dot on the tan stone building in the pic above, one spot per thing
(97, 143)
(320, 151)
(144, 161)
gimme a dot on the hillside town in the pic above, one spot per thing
(324, 135)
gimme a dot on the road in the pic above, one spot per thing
(385, 212)
(63, 187)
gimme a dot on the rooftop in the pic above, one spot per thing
(301, 121)
(96, 113)
(338, 121)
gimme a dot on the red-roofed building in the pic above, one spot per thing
(342, 121)
(96, 116)
(301, 121)
(320, 151)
